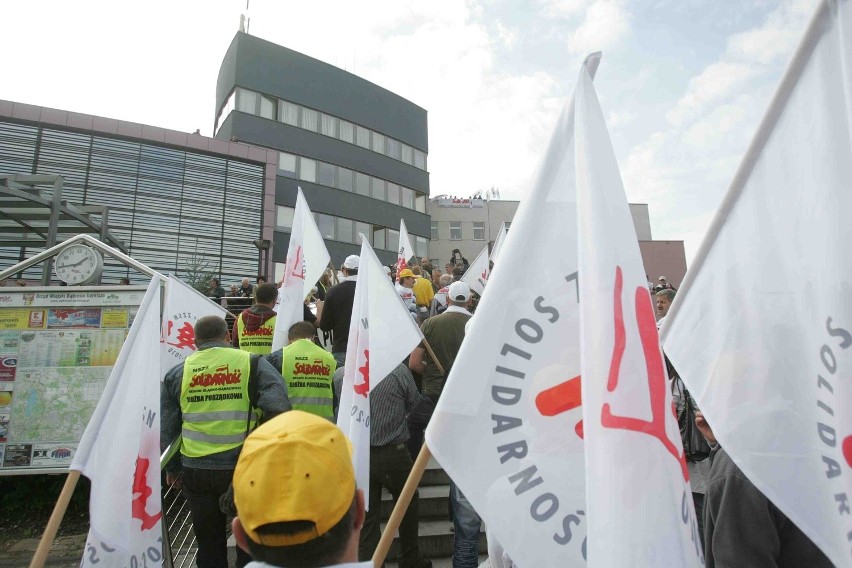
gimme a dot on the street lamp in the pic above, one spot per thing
(263, 246)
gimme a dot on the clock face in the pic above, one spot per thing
(78, 264)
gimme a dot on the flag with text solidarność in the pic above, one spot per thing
(476, 275)
(772, 376)
(638, 497)
(120, 451)
(508, 425)
(307, 258)
(381, 334)
(182, 307)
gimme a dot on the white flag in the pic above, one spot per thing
(639, 500)
(381, 334)
(499, 242)
(307, 258)
(120, 451)
(476, 274)
(761, 330)
(406, 251)
(182, 307)
(507, 427)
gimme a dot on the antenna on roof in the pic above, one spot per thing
(245, 20)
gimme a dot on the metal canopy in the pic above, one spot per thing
(33, 216)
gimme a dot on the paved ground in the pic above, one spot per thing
(66, 552)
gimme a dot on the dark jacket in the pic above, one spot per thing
(743, 528)
(337, 312)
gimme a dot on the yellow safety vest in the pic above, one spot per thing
(214, 400)
(258, 341)
(309, 370)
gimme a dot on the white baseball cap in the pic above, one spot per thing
(352, 262)
(459, 292)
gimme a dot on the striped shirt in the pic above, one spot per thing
(390, 402)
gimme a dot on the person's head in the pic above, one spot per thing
(458, 272)
(662, 280)
(261, 280)
(327, 277)
(415, 270)
(246, 283)
(664, 301)
(436, 276)
(124, 281)
(448, 268)
(459, 294)
(301, 330)
(214, 283)
(266, 295)
(427, 267)
(234, 288)
(211, 328)
(350, 265)
(407, 278)
(445, 280)
(294, 489)
(21, 282)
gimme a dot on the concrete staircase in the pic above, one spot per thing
(436, 536)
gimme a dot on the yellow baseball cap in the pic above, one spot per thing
(405, 273)
(296, 467)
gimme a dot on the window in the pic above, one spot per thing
(344, 179)
(393, 193)
(407, 154)
(347, 132)
(325, 223)
(378, 237)
(326, 174)
(246, 101)
(421, 247)
(393, 240)
(407, 197)
(363, 229)
(455, 231)
(288, 113)
(362, 184)
(420, 202)
(329, 125)
(419, 159)
(287, 164)
(479, 230)
(308, 170)
(378, 143)
(377, 188)
(362, 137)
(267, 107)
(434, 235)
(344, 230)
(310, 118)
(393, 148)
(284, 217)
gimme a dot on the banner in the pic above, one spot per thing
(406, 251)
(381, 334)
(307, 258)
(120, 451)
(182, 307)
(508, 425)
(761, 329)
(476, 274)
(499, 242)
(640, 509)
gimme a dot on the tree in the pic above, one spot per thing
(197, 272)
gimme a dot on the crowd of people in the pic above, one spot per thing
(260, 444)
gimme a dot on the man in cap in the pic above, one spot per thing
(337, 310)
(445, 334)
(308, 370)
(255, 326)
(405, 288)
(294, 489)
(209, 400)
(663, 285)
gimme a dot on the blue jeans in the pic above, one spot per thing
(340, 357)
(467, 525)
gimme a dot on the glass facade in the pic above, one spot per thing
(306, 118)
(173, 208)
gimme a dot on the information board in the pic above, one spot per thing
(57, 348)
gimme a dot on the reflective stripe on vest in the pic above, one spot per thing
(309, 372)
(258, 341)
(214, 400)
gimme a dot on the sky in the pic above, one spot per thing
(683, 83)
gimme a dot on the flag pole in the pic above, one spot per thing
(40, 556)
(414, 477)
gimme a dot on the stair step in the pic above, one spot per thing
(434, 502)
(436, 540)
